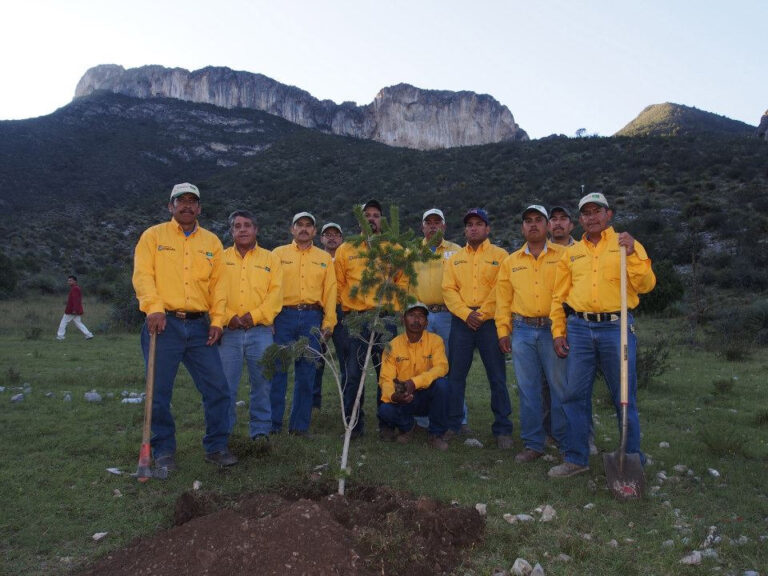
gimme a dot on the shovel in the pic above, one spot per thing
(623, 471)
(144, 472)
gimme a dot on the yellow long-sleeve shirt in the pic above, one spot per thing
(429, 275)
(423, 362)
(254, 284)
(309, 277)
(588, 278)
(172, 271)
(524, 285)
(350, 263)
(469, 280)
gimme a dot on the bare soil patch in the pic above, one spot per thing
(371, 530)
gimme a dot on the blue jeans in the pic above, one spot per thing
(355, 349)
(339, 339)
(290, 325)
(432, 402)
(461, 346)
(535, 360)
(248, 345)
(592, 344)
(184, 341)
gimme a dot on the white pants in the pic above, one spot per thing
(66, 319)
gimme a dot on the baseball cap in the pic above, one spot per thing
(184, 188)
(562, 209)
(536, 208)
(301, 215)
(416, 305)
(331, 225)
(433, 212)
(479, 212)
(593, 198)
(373, 204)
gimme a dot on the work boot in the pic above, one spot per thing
(527, 455)
(504, 442)
(438, 443)
(566, 470)
(404, 437)
(167, 461)
(386, 434)
(222, 458)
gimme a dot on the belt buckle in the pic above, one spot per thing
(180, 314)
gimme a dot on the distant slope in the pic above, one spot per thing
(670, 119)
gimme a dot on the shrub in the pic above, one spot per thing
(723, 386)
(652, 361)
(669, 288)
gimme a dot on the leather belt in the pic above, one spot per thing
(538, 321)
(305, 307)
(599, 316)
(437, 307)
(185, 315)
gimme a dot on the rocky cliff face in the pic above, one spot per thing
(762, 129)
(401, 115)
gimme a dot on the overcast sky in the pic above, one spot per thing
(558, 65)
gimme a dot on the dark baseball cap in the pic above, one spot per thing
(562, 209)
(373, 204)
(479, 212)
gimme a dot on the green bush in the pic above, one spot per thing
(669, 288)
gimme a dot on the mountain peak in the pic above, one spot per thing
(670, 119)
(400, 115)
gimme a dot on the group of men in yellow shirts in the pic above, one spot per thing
(553, 306)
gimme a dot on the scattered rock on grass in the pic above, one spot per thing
(521, 567)
(516, 518)
(473, 443)
(482, 509)
(92, 396)
(17, 398)
(663, 444)
(563, 557)
(537, 570)
(692, 559)
(99, 536)
(714, 473)
(547, 513)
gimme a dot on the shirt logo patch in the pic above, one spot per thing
(457, 262)
(162, 247)
(518, 268)
(401, 358)
(574, 258)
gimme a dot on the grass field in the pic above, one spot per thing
(55, 491)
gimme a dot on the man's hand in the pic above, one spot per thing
(235, 323)
(156, 322)
(474, 320)
(247, 321)
(504, 345)
(214, 333)
(410, 387)
(561, 346)
(401, 398)
(625, 239)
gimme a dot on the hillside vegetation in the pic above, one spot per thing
(677, 120)
(80, 185)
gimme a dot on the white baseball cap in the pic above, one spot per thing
(301, 215)
(593, 198)
(331, 225)
(184, 188)
(433, 212)
(536, 208)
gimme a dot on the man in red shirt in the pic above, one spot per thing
(73, 311)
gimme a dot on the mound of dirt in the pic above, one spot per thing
(369, 531)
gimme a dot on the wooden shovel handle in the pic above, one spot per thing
(623, 321)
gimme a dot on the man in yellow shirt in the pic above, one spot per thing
(254, 297)
(412, 381)
(523, 299)
(177, 276)
(586, 325)
(469, 290)
(350, 264)
(309, 306)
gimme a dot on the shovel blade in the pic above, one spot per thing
(627, 483)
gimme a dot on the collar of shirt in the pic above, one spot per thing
(527, 251)
(178, 226)
(605, 234)
(481, 248)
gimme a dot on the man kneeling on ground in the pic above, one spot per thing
(412, 381)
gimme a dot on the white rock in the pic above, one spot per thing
(115, 471)
(2, 388)
(742, 540)
(668, 543)
(116, 493)
(563, 557)
(131, 401)
(17, 398)
(92, 396)
(712, 538)
(693, 559)
(473, 443)
(663, 444)
(751, 573)
(240, 403)
(482, 509)
(549, 458)
(714, 473)
(196, 485)
(547, 514)
(515, 518)
(586, 536)
(680, 468)
(589, 506)
(99, 536)
(521, 567)
(613, 544)
(67, 397)
(537, 570)
(50, 395)
(709, 553)
(661, 476)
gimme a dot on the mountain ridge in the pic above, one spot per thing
(400, 115)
